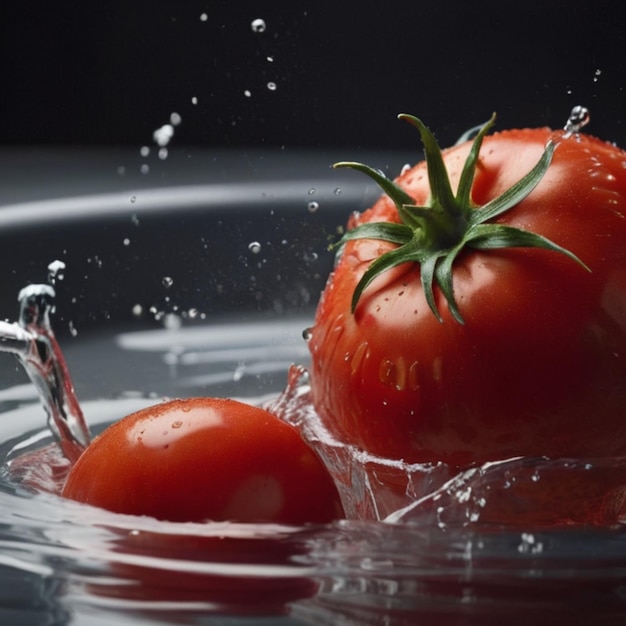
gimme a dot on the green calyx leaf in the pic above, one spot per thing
(434, 234)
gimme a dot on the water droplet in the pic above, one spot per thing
(596, 75)
(121, 170)
(167, 281)
(194, 100)
(239, 373)
(271, 86)
(133, 199)
(258, 25)
(163, 135)
(126, 241)
(578, 118)
(312, 207)
(177, 424)
(163, 153)
(134, 219)
(204, 17)
(72, 329)
(56, 271)
(192, 313)
(144, 151)
(247, 93)
(145, 168)
(270, 59)
(175, 119)
(171, 321)
(337, 191)
(311, 191)
(307, 333)
(137, 310)
(254, 247)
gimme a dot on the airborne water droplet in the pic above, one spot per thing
(163, 135)
(56, 271)
(258, 25)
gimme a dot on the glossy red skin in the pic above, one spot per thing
(201, 459)
(538, 368)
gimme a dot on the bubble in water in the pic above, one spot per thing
(258, 25)
(56, 271)
(529, 544)
(133, 199)
(313, 206)
(271, 86)
(254, 247)
(311, 191)
(337, 191)
(578, 118)
(167, 281)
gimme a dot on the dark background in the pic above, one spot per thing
(110, 73)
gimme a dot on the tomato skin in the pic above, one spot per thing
(199, 459)
(538, 368)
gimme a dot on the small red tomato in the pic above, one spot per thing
(478, 311)
(200, 459)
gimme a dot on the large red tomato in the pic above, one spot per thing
(448, 333)
(202, 459)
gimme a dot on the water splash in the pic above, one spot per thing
(33, 342)
(578, 118)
